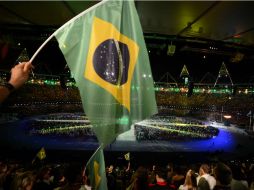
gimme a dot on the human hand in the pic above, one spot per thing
(189, 173)
(20, 74)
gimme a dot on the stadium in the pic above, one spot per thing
(49, 111)
(202, 81)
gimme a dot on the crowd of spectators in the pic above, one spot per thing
(60, 116)
(68, 125)
(206, 101)
(60, 129)
(168, 128)
(234, 175)
(35, 99)
(30, 93)
(174, 132)
(43, 175)
(45, 93)
(159, 127)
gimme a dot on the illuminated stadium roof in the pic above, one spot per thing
(198, 34)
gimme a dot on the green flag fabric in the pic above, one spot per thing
(96, 170)
(105, 50)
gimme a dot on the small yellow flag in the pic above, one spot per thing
(41, 154)
(127, 156)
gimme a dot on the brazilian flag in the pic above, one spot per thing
(105, 50)
(96, 170)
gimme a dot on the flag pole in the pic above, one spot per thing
(42, 46)
(253, 125)
(70, 21)
(92, 156)
(250, 121)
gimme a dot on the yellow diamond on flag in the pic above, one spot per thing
(111, 60)
(96, 174)
(41, 154)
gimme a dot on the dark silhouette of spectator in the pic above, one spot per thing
(111, 178)
(139, 180)
(239, 181)
(152, 175)
(205, 178)
(26, 181)
(223, 176)
(161, 180)
(44, 181)
(190, 181)
(178, 178)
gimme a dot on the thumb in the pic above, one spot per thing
(28, 66)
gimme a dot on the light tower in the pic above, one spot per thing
(223, 77)
(184, 75)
